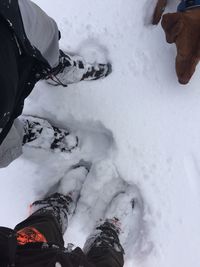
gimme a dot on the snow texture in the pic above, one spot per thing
(137, 126)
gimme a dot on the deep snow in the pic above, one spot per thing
(140, 120)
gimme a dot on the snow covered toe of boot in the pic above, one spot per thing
(97, 71)
(69, 70)
(126, 213)
(71, 184)
(39, 133)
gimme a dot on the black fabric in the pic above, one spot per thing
(40, 255)
(37, 255)
(105, 257)
(8, 246)
(56, 205)
(108, 236)
(17, 79)
(34, 255)
(46, 225)
(20, 68)
(10, 12)
(46, 255)
(9, 56)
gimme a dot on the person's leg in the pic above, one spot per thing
(36, 133)
(47, 223)
(73, 69)
(105, 247)
(11, 147)
(10, 136)
(39, 133)
(43, 33)
(49, 219)
(41, 30)
(9, 75)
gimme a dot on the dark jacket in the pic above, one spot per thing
(21, 65)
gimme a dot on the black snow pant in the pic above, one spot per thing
(49, 228)
(17, 78)
(17, 75)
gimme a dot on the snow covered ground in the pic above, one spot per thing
(138, 126)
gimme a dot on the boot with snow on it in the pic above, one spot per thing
(103, 246)
(73, 69)
(62, 204)
(123, 221)
(126, 213)
(39, 133)
(71, 184)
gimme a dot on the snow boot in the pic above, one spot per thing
(39, 133)
(105, 235)
(71, 184)
(123, 220)
(126, 213)
(62, 204)
(56, 205)
(96, 71)
(73, 69)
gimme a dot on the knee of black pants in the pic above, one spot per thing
(105, 257)
(46, 225)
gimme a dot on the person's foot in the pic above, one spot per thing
(71, 184)
(97, 71)
(56, 205)
(105, 235)
(126, 212)
(122, 223)
(62, 204)
(73, 69)
(39, 133)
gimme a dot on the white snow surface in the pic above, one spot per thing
(138, 126)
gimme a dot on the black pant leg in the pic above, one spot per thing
(46, 225)
(105, 257)
(9, 76)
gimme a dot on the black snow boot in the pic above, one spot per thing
(57, 205)
(73, 69)
(39, 133)
(122, 223)
(62, 204)
(105, 235)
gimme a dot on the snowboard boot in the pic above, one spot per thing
(123, 220)
(73, 69)
(39, 133)
(62, 204)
